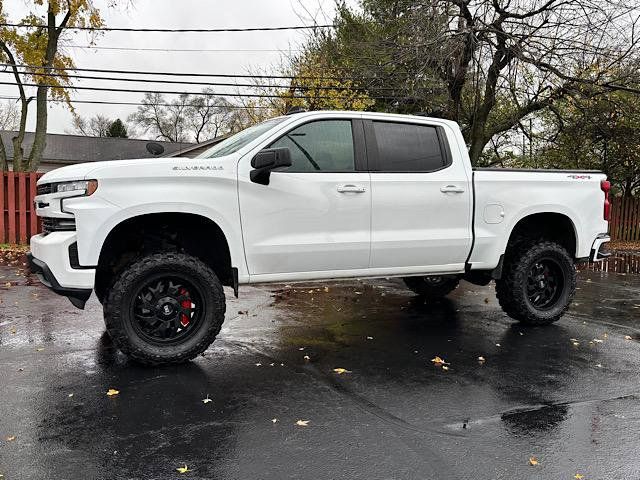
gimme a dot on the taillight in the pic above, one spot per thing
(605, 186)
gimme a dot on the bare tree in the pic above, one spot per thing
(208, 116)
(96, 126)
(9, 121)
(187, 118)
(165, 120)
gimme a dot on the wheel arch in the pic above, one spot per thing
(554, 225)
(166, 230)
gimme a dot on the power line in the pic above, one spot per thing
(182, 74)
(106, 102)
(203, 94)
(216, 50)
(175, 30)
(187, 82)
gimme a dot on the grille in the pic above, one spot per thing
(44, 189)
(50, 224)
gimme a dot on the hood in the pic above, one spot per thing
(120, 168)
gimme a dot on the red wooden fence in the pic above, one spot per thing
(18, 223)
(625, 219)
(17, 219)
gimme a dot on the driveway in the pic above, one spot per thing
(565, 396)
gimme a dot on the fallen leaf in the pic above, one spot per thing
(438, 362)
(578, 476)
(11, 438)
(303, 423)
(486, 300)
(112, 392)
(13, 331)
(628, 337)
(326, 289)
(184, 469)
(206, 400)
(340, 371)
(39, 349)
(533, 461)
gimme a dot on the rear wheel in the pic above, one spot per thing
(164, 308)
(432, 287)
(538, 283)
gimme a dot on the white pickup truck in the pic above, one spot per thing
(309, 196)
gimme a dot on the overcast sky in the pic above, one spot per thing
(175, 14)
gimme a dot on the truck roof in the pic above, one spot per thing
(390, 116)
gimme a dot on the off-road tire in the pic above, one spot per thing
(429, 289)
(511, 289)
(119, 298)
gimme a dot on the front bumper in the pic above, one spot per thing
(599, 251)
(77, 296)
(50, 260)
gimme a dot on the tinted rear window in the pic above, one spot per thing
(405, 147)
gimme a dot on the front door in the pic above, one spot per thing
(314, 216)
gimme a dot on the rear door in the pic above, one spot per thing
(314, 216)
(421, 198)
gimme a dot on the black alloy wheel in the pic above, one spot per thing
(167, 310)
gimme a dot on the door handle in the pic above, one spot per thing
(452, 189)
(351, 189)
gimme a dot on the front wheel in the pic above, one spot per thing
(165, 308)
(538, 283)
(432, 287)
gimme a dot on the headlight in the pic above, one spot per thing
(88, 187)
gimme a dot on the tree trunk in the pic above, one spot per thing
(4, 166)
(42, 114)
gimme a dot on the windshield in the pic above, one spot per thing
(240, 139)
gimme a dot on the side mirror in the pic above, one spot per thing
(267, 160)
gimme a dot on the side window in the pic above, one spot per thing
(405, 147)
(324, 145)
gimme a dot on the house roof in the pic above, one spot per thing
(198, 148)
(68, 149)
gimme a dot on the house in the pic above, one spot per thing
(64, 150)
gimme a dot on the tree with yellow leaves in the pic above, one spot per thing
(316, 86)
(32, 50)
(312, 85)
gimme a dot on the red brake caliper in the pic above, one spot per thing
(186, 304)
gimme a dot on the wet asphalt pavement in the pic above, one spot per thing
(574, 405)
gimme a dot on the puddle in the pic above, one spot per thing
(618, 262)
